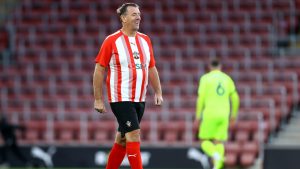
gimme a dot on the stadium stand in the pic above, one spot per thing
(3, 39)
(47, 84)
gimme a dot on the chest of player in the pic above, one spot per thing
(132, 55)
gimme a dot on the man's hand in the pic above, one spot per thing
(158, 100)
(99, 106)
(232, 121)
(196, 124)
(155, 83)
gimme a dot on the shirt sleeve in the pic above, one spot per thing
(235, 101)
(232, 88)
(105, 53)
(200, 99)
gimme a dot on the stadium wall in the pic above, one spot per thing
(280, 157)
(96, 157)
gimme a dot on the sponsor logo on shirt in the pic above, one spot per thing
(139, 66)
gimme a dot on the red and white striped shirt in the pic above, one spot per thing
(128, 60)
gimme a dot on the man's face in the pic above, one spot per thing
(132, 18)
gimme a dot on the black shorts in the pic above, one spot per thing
(128, 114)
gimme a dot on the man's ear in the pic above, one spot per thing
(123, 18)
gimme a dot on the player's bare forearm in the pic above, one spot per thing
(155, 83)
(98, 81)
(154, 80)
(97, 85)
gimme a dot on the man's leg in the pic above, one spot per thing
(207, 132)
(15, 148)
(220, 138)
(127, 114)
(4, 152)
(215, 151)
(133, 149)
(221, 151)
(211, 132)
(208, 147)
(117, 153)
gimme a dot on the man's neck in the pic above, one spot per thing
(215, 69)
(127, 32)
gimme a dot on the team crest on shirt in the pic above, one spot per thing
(136, 55)
(128, 123)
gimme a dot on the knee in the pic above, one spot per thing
(120, 140)
(123, 141)
(133, 136)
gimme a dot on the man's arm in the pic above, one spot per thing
(199, 104)
(98, 86)
(200, 100)
(155, 83)
(235, 103)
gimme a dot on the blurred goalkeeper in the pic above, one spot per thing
(213, 111)
(7, 131)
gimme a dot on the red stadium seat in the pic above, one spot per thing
(247, 159)
(250, 147)
(145, 130)
(4, 40)
(232, 147)
(242, 136)
(35, 131)
(101, 131)
(232, 151)
(231, 160)
(67, 131)
(247, 125)
(172, 132)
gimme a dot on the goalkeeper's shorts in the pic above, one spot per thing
(214, 129)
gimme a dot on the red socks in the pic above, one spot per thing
(116, 156)
(118, 152)
(134, 155)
